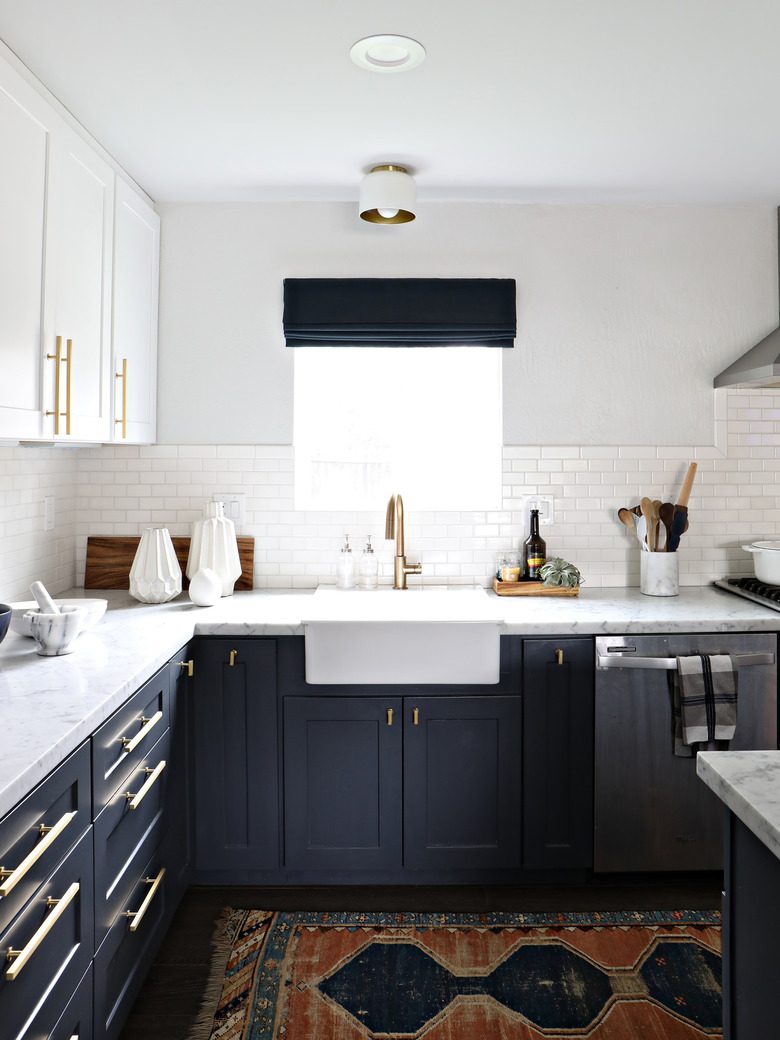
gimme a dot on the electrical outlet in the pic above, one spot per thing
(235, 507)
(48, 513)
(544, 503)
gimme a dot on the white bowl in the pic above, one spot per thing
(92, 610)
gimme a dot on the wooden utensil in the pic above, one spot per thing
(666, 515)
(647, 513)
(685, 494)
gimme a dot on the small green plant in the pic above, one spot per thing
(559, 573)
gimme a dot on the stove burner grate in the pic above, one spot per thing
(758, 588)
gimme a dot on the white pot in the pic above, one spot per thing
(766, 561)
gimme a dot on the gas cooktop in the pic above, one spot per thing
(752, 588)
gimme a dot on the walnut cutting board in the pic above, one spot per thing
(109, 561)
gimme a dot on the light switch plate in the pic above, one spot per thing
(235, 506)
(544, 503)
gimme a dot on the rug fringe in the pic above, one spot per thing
(221, 945)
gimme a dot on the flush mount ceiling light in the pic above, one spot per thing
(387, 53)
(388, 195)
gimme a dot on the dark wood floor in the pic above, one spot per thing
(171, 996)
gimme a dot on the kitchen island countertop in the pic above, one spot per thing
(748, 783)
(49, 705)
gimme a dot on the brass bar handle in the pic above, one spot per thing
(559, 656)
(233, 656)
(151, 779)
(416, 716)
(123, 376)
(131, 743)
(20, 957)
(135, 917)
(57, 358)
(68, 373)
(189, 665)
(389, 716)
(13, 877)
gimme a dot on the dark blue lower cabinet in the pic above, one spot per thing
(402, 784)
(235, 771)
(462, 783)
(342, 783)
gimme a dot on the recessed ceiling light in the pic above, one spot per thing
(387, 53)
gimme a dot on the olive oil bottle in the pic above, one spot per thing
(534, 550)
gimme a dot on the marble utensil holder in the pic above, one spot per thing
(55, 633)
(659, 574)
(155, 576)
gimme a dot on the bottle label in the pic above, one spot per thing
(533, 564)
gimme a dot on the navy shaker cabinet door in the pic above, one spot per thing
(236, 803)
(342, 783)
(462, 782)
(558, 704)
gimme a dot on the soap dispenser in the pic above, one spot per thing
(346, 568)
(368, 568)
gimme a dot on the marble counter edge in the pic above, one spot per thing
(748, 784)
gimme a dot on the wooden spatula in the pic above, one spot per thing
(685, 494)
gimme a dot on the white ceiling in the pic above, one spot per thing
(666, 101)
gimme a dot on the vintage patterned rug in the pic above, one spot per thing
(491, 976)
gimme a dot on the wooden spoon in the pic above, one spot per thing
(647, 513)
(666, 515)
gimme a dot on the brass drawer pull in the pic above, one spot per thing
(389, 716)
(11, 878)
(559, 656)
(131, 743)
(416, 716)
(21, 957)
(233, 656)
(189, 665)
(123, 376)
(135, 917)
(151, 778)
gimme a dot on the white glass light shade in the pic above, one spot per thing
(213, 545)
(388, 189)
(155, 576)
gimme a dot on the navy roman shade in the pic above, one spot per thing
(400, 312)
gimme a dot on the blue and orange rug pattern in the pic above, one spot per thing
(490, 976)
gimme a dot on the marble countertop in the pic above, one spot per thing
(49, 705)
(748, 782)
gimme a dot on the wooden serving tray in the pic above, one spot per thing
(109, 561)
(532, 588)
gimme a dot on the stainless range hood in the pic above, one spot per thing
(760, 366)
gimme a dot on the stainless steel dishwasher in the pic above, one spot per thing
(651, 810)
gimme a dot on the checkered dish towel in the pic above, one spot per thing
(704, 703)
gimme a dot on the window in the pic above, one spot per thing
(370, 422)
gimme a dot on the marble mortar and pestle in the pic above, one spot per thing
(54, 630)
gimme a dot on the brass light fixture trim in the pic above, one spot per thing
(388, 195)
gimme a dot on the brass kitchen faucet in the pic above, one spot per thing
(394, 528)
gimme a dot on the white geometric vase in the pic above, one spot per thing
(213, 545)
(155, 576)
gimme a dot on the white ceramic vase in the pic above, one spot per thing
(213, 545)
(155, 576)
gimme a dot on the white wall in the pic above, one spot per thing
(620, 309)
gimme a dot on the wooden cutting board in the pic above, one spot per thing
(109, 561)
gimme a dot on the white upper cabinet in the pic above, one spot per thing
(136, 282)
(25, 130)
(77, 309)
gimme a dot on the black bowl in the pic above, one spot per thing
(5, 620)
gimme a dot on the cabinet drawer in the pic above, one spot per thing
(124, 740)
(62, 802)
(127, 953)
(125, 837)
(57, 945)
(75, 1022)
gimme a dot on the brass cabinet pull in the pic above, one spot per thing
(21, 957)
(135, 917)
(416, 716)
(69, 370)
(11, 878)
(151, 778)
(189, 665)
(57, 358)
(131, 743)
(389, 716)
(233, 656)
(559, 656)
(123, 376)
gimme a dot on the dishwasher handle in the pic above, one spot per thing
(669, 664)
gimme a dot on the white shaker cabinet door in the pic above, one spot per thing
(136, 287)
(25, 132)
(77, 312)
